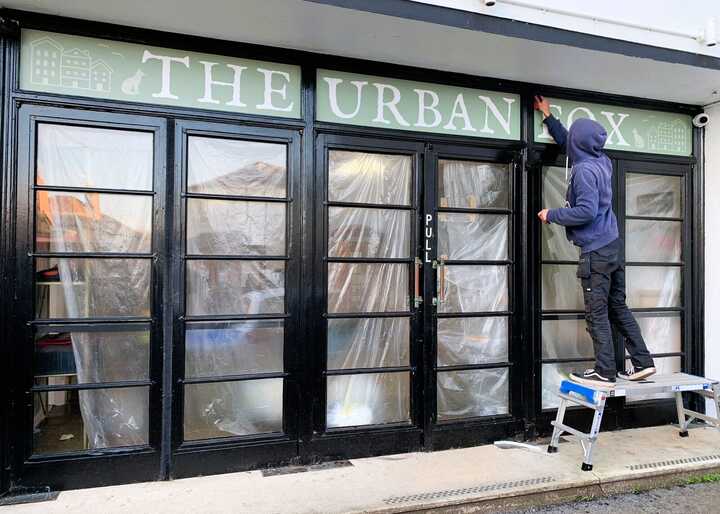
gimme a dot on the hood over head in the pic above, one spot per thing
(586, 140)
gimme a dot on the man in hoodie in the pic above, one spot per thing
(591, 225)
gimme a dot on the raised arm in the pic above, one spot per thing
(555, 127)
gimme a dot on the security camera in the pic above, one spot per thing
(489, 3)
(701, 119)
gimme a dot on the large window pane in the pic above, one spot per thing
(376, 233)
(555, 246)
(472, 393)
(94, 157)
(368, 342)
(373, 178)
(663, 334)
(220, 287)
(92, 356)
(472, 340)
(566, 339)
(653, 286)
(473, 185)
(553, 375)
(359, 287)
(76, 421)
(654, 195)
(368, 399)
(234, 348)
(227, 409)
(84, 288)
(223, 227)
(472, 236)
(653, 241)
(234, 167)
(561, 288)
(92, 222)
(470, 288)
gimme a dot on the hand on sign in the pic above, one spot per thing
(543, 214)
(541, 104)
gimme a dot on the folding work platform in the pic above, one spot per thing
(572, 393)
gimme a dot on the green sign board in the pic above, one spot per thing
(97, 68)
(370, 101)
(628, 129)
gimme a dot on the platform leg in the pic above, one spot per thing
(589, 444)
(682, 420)
(716, 398)
(557, 431)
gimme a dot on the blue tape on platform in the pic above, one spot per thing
(567, 386)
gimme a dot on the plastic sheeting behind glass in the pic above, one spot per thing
(473, 185)
(566, 339)
(661, 333)
(555, 245)
(233, 348)
(653, 286)
(226, 409)
(472, 236)
(552, 375)
(471, 288)
(372, 178)
(375, 233)
(653, 241)
(472, 340)
(230, 227)
(561, 288)
(457, 393)
(217, 287)
(368, 399)
(365, 287)
(368, 343)
(654, 195)
(73, 156)
(236, 167)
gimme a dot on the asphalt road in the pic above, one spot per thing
(688, 499)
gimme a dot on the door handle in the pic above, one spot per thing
(441, 278)
(418, 296)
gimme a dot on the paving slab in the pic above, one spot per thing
(477, 479)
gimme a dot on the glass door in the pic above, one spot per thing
(238, 269)
(469, 288)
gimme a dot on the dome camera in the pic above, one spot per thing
(489, 3)
(701, 119)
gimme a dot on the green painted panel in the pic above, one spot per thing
(628, 129)
(80, 66)
(370, 101)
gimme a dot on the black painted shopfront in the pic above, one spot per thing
(228, 285)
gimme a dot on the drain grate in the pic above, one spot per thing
(674, 462)
(449, 493)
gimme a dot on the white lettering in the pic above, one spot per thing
(460, 111)
(615, 127)
(269, 91)
(235, 84)
(545, 134)
(571, 116)
(166, 63)
(391, 105)
(333, 85)
(423, 107)
(491, 107)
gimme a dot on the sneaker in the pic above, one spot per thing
(635, 374)
(593, 379)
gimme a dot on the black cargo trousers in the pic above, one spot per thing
(602, 275)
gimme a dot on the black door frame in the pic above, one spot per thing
(223, 455)
(130, 464)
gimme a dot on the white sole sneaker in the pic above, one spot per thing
(596, 384)
(640, 375)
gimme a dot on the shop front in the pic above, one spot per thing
(241, 259)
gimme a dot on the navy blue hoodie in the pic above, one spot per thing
(589, 220)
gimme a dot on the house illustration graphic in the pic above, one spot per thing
(668, 137)
(52, 65)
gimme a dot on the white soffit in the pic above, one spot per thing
(345, 32)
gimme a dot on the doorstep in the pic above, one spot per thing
(478, 479)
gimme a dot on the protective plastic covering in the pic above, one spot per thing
(93, 222)
(368, 399)
(472, 340)
(471, 184)
(472, 236)
(376, 233)
(359, 177)
(566, 339)
(368, 342)
(561, 288)
(475, 288)
(654, 195)
(228, 287)
(472, 393)
(653, 286)
(662, 332)
(555, 246)
(653, 241)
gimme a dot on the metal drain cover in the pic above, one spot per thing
(674, 462)
(449, 493)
